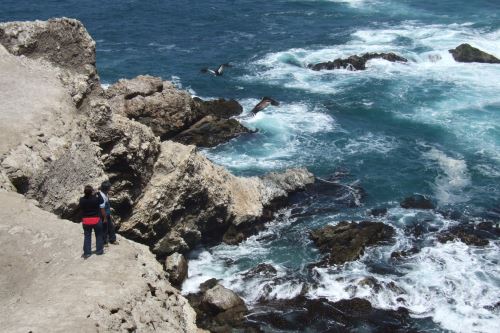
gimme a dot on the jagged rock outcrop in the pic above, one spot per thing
(219, 309)
(173, 114)
(189, 199)
(347, 241)
(467, 234)
(467, 53)
(43, 277)
(356, 62)
(62, 42)
(176, 268)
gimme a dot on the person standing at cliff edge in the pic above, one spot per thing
(90, 208)
(109, 234)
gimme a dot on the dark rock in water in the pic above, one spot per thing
(403, 254)
(417, 201)
(356, 62)
(347, 241)
(219, 107)
(219, 309)
(378, 211)
(261, 270)
(176, 268)
(320, 315)
(467, 53)
(464, 233)
(211, 131)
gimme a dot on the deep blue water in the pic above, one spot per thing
(429, 127)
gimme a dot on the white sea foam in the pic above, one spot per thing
(370, 143)
(450, 185)
(282, 129)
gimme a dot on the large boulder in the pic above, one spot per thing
(219, 309)
(466, 233)
(189, 198)
(176, 268)
(173, 114)
(43, 277)
(347, 241)
(356, 62)
(467, 53)
(417, 201)
(63, 42)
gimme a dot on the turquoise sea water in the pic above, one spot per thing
(430, 126)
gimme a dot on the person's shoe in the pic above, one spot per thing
(85, 256)
(100, 253)
(106, 245)
(115, 243)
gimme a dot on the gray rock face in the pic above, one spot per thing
(221, 299)
(173, 114)
(63, 42)
(177, 268)
(44, 276)
(347, 241)
(467, 53)
(189, 198)
(356, 62)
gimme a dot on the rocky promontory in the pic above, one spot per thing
(355, 62)
(60, 130)
(467, 53)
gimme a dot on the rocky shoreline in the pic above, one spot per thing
(165, 194)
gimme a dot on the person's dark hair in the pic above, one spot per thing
(105, 186)
(88, 190)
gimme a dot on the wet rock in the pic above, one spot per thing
(405, 253)
(378, 211)
(220, 108)
(176, 268)
(219, 309)
(467, 53)
(464, 233)
(220, 299)
(356, 62)
(347, 241)
(321, 315)
(417, 201)
(211, 131)
(261, 270)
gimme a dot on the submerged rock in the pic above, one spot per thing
(356, 62)
(417, 201)
(467, 53)
(176, 268)
(466, 234)
(320, 315)
(347, 241)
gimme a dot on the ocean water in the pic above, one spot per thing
(429, 126)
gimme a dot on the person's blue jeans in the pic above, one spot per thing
(87, 240)
(109, 231)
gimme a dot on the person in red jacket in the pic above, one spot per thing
(90, 208)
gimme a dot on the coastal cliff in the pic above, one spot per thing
(60, 131)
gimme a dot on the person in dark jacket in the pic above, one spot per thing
(109, 234)
(90, 207)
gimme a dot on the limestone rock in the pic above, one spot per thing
(221, 299)
(44, 276)
(467, 53)
(63, 42)
(347, 241)
(356, 62)
(188, 199)
(177, 268)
